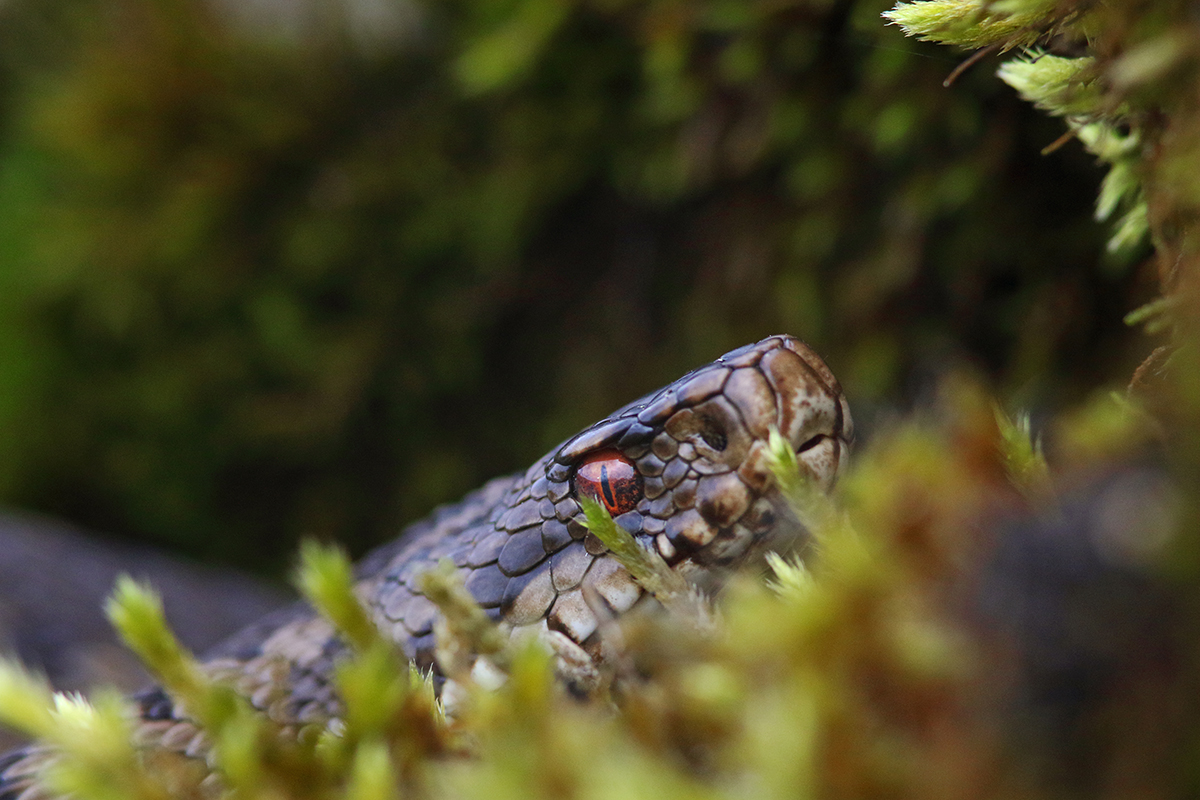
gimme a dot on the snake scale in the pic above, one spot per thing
(683, 469)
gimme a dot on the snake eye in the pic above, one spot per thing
(610, 478)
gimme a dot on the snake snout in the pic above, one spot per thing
(776, 384)
(812, 411)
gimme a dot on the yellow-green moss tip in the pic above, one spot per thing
(136, 611)
(1022, 454)
(326, 578)
(974, 23)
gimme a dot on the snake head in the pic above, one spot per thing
(684, 470)
(687, 466)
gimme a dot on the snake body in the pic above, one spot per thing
(700, 493)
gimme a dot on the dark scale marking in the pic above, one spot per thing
(653, 487)
(419, 615)
(684, 495)
(486, 585)
(664, 447)
(593, 545)
(154, 705)
(461, 556)
(523, 552)
(659, 409)
(637, 434)
(568, 566)
(555, 536)
(702, 385)
(421, 650)
(636, 451)
(566, 508)
(488, 549)
(630, 521)
(675, 471)
(522, 516)
(593, 438)
(663, 507)
(513, 590)
(650, 465)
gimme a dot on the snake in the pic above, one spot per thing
(686, 470)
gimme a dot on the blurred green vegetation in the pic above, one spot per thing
(944, 637)
(303, 267)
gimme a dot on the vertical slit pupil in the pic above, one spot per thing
(610, 497)
(611, 479)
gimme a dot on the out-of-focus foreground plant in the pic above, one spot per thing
(942, 636)
(1125, 77)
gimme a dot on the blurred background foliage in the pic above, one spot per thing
(308, 267)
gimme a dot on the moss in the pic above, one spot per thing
(1121, 94)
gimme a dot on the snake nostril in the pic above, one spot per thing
(713, 436)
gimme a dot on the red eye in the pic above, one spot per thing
(610, 478)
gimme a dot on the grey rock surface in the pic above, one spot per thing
(54, 578)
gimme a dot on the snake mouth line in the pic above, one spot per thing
(813, 442)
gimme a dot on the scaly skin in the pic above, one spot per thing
(707, 503)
